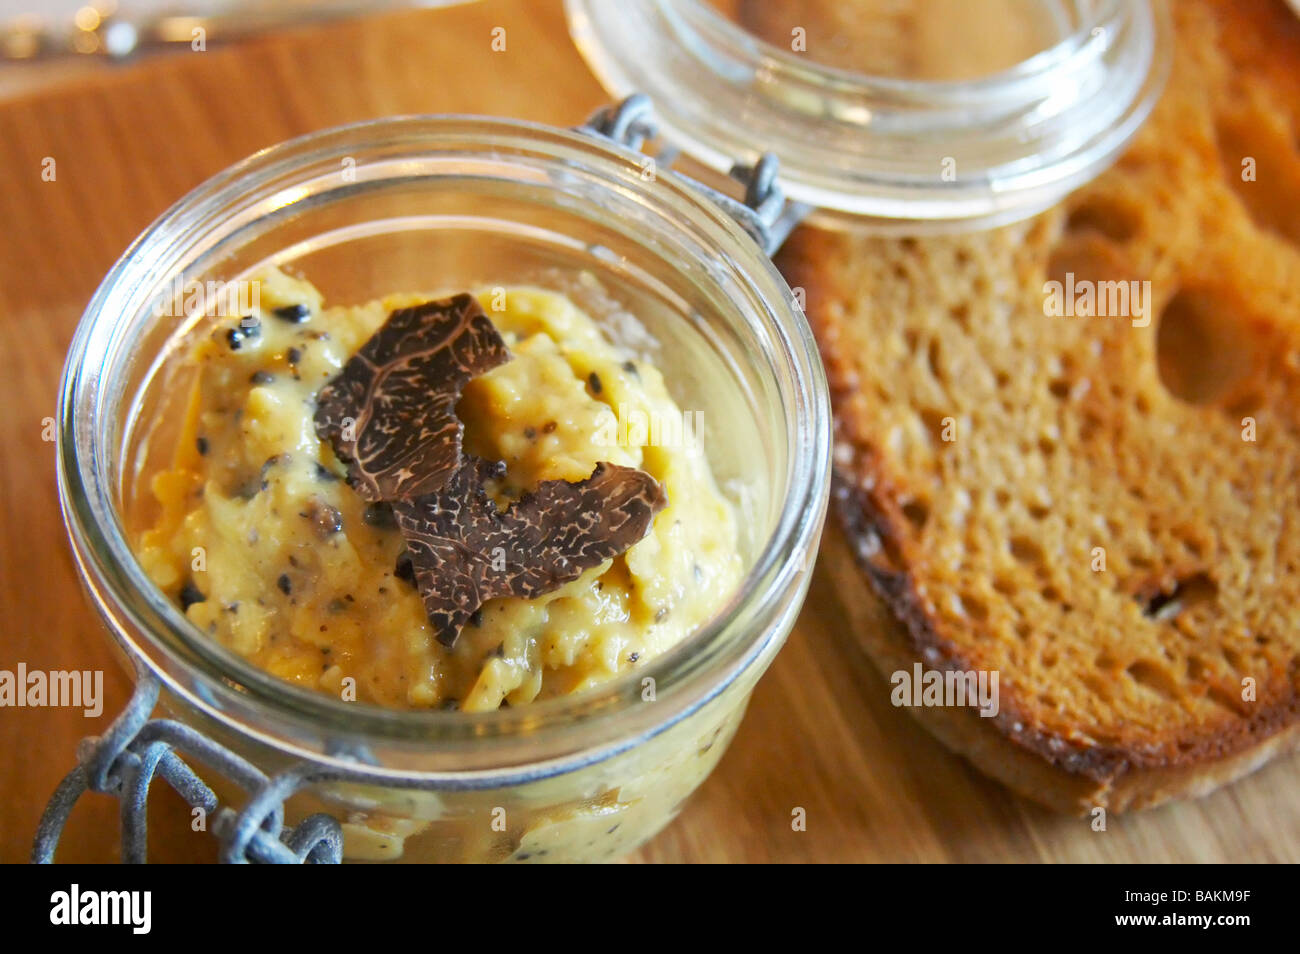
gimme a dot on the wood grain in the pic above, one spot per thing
(820, 733)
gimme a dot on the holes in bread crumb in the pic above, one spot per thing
(933, 421)
(1089, 425)
(1060, 388)
(1271, 193)
(1248, 403)
(1027, 551)
(1038, 511)
(1206, 348)
(1098, 685)
(1229, 701)
(975, 607)
(1108, 216)
(917, 513)
(932, 358)
(1088, 256)
(1154, 676)
(1189, 592)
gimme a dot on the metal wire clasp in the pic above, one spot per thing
(763, 212)
(124, 760)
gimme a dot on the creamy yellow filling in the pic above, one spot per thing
(297, 577)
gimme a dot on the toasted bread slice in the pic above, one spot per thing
(1104, 508)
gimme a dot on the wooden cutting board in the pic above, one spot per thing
(820, 733)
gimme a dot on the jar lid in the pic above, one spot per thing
(908, 115)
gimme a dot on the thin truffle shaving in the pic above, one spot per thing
(391, 412)
(465, 551)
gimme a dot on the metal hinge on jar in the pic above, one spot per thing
(763, 211)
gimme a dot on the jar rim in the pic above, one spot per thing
(227, 687)
(869, 151)
(1068, 45)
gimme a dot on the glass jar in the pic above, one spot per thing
(892, 116)
(446, 202)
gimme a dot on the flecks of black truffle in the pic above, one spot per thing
(380, 516)
(405, 569)
(294, 314)
(191, 594)
(465, 551)
(247, 329)
(391, 412)
(271, 462)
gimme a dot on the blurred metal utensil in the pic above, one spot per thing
(103, 29)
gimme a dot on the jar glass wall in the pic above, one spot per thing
(443, 202)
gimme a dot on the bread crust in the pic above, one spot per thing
(1030, 763)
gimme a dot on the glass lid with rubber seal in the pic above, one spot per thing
(898, 115)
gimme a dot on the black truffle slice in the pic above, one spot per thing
(465, 551)
(391, 412)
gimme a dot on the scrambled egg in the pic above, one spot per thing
(268, 550)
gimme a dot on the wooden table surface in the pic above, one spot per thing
(820, 732)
